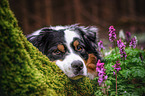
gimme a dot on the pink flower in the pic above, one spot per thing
(116, 67)
(121, 47)
(100, 80)
(120, 44)
(133, 42)
(100, 45)
(112, 34)
(105, 77)
(111, 28)
(113, 73)
(101, 72)
(99, 64)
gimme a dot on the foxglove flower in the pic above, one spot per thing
(100, 45)
(112, 34)
(133, 42)
(101, 72)
(121, 47)
(116, 67)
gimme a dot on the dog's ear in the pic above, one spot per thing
(92, 33)
(90, 38)
(39, 38)
(89, 35)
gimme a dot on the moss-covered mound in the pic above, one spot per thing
(25, 71)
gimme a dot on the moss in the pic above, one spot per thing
(25, 71)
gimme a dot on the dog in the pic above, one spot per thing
(73, 48)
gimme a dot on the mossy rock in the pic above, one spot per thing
(26, 71)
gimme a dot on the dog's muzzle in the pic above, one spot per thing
(77, 67)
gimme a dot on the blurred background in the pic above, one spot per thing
(128, 15)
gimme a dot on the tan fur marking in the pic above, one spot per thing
(76, 43)
(91, 64)
(61, 48)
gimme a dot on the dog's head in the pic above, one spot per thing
(73, 48)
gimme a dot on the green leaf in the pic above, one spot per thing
(125, 73)
(108, 82)
(138, 72)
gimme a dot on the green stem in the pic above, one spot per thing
(124, 64)
(103, 53)
(107, 92)
(115, 47)
(116, 83)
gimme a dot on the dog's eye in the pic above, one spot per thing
(80, 48)
(56, 52)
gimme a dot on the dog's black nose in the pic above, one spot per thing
(77, 65)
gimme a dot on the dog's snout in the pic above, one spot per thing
(77, 64)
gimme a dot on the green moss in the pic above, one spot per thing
(25, 71)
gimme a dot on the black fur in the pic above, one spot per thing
(48, 39)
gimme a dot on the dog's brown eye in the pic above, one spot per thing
(79, 48)
(56, 52)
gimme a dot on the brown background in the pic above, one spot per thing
(123, 14)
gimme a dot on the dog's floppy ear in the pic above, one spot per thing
(39, 38)
(92, 33)
(90, 37)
